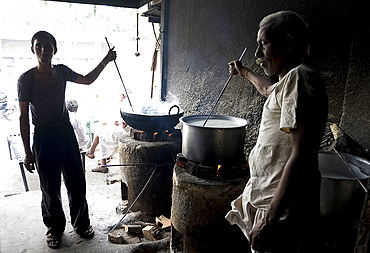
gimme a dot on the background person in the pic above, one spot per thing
(80, 132)
(108, 137)
(109, 132)
(55, 149)
(279, 209)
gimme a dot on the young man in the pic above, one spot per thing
(279, 208)
(55, 149)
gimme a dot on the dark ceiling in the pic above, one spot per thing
(118, 3)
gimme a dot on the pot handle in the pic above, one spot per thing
(178, 109)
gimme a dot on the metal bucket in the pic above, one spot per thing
(341, 193)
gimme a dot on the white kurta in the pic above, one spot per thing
(270, 154)
(81, 136)
(109, 136)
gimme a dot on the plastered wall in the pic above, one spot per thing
(201, 37)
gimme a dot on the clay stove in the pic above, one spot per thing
(147, 151)
(201, 197)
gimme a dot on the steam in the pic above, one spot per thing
(151, 107)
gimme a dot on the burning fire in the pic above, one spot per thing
(218, 174)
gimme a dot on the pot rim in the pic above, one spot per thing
(240, 122)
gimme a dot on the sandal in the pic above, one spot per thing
(89, 233)
(106, 160)
(91, 156)
(100, 169)
(52, 241)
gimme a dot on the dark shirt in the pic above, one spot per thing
(47, 102)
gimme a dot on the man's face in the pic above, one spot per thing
(44, 49)
(270, 59)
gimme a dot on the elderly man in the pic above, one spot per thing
(279, 208)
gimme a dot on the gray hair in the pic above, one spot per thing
(72, 105)
(288, 31)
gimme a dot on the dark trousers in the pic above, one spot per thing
(56, 152)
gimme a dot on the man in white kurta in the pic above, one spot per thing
(280, 202)
(79, 129)
(272, 150)
(108, 137)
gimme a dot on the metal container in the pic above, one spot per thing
(341, 193)
(152, 123)
(219, 142)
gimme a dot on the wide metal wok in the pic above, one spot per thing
(152, 123)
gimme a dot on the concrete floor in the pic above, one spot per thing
(21, 226)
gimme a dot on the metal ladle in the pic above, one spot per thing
(228, 80)
(349, 167)
(121, 78)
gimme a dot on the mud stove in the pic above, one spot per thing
(201, 197)
(147, 151)
(195, 196)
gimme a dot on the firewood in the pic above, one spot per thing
(152, 233)
(164, 221)
(117, 236)
(143, 224)
(133, 229)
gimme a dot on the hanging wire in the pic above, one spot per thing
(137, 35)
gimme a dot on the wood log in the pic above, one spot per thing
(133, 229)
(143, 224)
(152, 233)
(164, 222)
(117, 236)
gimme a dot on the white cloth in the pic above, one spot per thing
(109, 136)
(81, 136)
(271, 152)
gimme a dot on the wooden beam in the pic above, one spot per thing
(117, 3)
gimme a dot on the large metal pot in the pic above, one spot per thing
(152, 123)
(219, 142)
(341, 194)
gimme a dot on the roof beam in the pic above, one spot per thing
(117, 3)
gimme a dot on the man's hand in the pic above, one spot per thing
(236, 68)
(111, 56)
(261, 236)
(29, 162)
